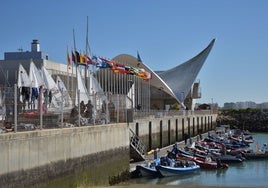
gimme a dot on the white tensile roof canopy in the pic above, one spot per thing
(177, 81)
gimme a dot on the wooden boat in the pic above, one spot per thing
(178, 168)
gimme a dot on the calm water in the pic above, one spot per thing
(251, 173)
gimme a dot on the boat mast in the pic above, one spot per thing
(75, 61)
(87, 66)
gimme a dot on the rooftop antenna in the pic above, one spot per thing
(20, 49)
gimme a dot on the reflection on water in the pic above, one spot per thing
(181, 180)
(251, 173)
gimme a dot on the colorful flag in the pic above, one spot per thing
(139, 61)
(73, 57)
(88, 60)
(82, 58)
(68, 60)
(96, 61)
(118, 68)
(106, 63)
(77, 57)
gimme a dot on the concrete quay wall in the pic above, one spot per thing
(29, 157)
(158, 132)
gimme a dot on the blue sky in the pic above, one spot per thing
(165, 32)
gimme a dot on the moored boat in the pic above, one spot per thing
(259, 154)
(206, 163)
(145, 170)
(178, 168)
(149, 169)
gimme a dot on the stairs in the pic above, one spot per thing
(137, 148)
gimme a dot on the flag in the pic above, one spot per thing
(77, 57)
(73, 57)
(68, 60)
(106, 63)
(139, 61)
(82, 58)
(88, 60)
(118, 68)
(96, 61)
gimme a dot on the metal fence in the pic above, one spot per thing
(21, 109)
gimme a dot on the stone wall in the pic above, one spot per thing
(28, 158)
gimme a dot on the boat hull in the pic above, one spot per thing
(147, 171)
(256, 155)
(172, 171)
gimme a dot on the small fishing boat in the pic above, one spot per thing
(148, 169)
(178, 168)
(259, 154)
(206, 163)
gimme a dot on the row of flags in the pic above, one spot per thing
(100, 62)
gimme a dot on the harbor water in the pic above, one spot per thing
(250, 173)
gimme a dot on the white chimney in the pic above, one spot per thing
(35, 46)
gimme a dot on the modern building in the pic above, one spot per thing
(171, 89)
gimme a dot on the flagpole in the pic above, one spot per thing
(87, 53)
(68, 64)
(76, 63)
(86, 67)
(72, 78)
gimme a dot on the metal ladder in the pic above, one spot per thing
(137, 148)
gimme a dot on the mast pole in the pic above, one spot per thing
(88, 52)
(75, 61)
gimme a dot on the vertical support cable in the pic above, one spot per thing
(78, 99)
(15, 108)
(41, 107)
(61, 106)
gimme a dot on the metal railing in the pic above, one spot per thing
(19, 114)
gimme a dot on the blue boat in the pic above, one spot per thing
(149, 169)
(178, 168)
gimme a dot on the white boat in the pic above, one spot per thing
(67, 101)
(84, 96)
(23, 78)
(36, 81)
(24, 84)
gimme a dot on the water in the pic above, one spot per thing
(250, 173)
